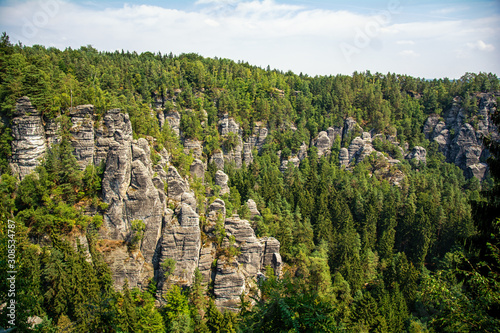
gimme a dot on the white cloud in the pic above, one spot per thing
(409, 53)
(285, 36)
(481, 46)
(405, 42)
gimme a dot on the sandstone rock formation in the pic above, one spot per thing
(82, 131)
(29, 144)
(221, 180)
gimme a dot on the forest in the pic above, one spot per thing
(360, 253)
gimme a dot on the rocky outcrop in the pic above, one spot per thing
(227, 125)
(174, 120)
(197, 169)
(176, 184)
(419, 154)
(82, 132)
(221, 180)
(193, 146)
(344, 157)
(126, 264)
(181, 241)
(28, 144)
(460, 134)
(252, 207)
(218, 159)
(117, 144)
(323, 143)
(236, 275)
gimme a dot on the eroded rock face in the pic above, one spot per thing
(236, 275)
(174, 120)
(229, 284)
(344, 157)
(221, 180)
(117, 144)
(126, 265)
(29, 145)
(459, 141)
(323, 143)
(176, 184)
(193, 146)
(197, 169)
(419, 154)
(227, 125)
(181, 241)
(252, 207)
(82, 131)
(218, 159)
(143, 200)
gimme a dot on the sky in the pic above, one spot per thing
(424, 38)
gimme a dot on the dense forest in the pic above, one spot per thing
(361, 253)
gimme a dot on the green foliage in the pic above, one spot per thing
(137, 234)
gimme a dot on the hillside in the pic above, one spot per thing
(158, 193)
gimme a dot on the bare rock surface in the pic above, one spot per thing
(29, 145)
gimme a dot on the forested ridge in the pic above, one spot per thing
(361, 253)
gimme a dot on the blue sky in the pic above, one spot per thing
(423, 38)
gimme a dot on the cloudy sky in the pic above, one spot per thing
(424, 38)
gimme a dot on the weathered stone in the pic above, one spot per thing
(176, 184)
(29, 145)
(197, 169)
(82, 131)
(334, 133)
(181, 241)
(115, 128)
(218, 159)
(194, 146)
(207, 257)
(271, 254)
(252, 207)
(114, 189)
(302, 154)
(174, 120)
(351, 128)
(344, 157)
(125, 264)
(218, 207)
(419, 154)
(143, 203)
(477, 170)
(221, 180)
(235, 154)
(229, 284)
(227, 125)
(323, 143)
(247, 153)
(365, 151)
(251, 248)
(465, 150)
(355, 148)
(189, 199)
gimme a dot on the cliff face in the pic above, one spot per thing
(161, 200)
(460, 134)
(155, 196)
(29, 144)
